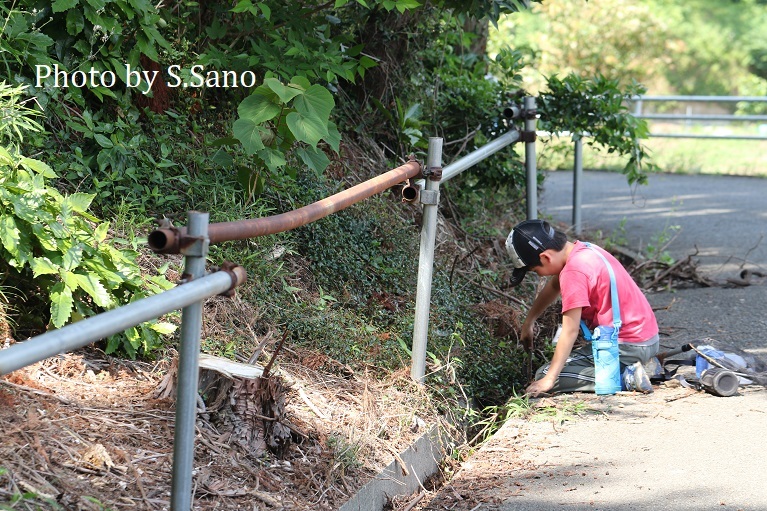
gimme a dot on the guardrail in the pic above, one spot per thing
(193, 242)
(639, 101)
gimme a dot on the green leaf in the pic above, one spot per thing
(61, 304)
(37, 166)
(10, 235)
(72, 258)
(79, 202)
(75, 22)
(69, 279)
(63, 5)
(163, 328)
(317, 102)
(223, 158)
(285, 93)
(315, 159)
(261, 106)
(306, 129)
(301, 82)
(97, 4)
(242, 6)
(266, 10)
(334, 137)
(100, 234)
(103, 141)
(91, 285)
(249, 133)
(43, 266)
(273, 158)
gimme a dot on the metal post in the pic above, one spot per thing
(530, 167)
(577, 184)
(188, 368)
(430, 200)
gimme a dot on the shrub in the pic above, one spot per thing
(51, 243)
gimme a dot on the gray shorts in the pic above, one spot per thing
(578, 373)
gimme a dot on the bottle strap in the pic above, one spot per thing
(613, 290)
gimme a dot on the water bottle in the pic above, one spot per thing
(701, 364)
(607, 370)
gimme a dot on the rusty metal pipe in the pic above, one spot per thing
(170, 240)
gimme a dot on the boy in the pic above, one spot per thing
(582, 279)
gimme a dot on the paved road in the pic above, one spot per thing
(675, 449)
(725, 217)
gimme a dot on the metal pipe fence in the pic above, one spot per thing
(638, 101)
(688, 117)
(193, 241)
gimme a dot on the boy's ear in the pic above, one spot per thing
(546, 254)
(549, 257)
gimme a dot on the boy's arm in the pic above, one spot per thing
(546, 297)
(570, 323)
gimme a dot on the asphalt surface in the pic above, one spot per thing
(721, 219)
(674, 449)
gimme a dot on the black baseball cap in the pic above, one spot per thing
(525, 244)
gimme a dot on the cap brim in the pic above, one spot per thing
(517, 276)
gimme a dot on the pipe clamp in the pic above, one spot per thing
(430, 197)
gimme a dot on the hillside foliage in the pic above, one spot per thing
(246, 109)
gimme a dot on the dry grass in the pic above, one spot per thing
(82, 431)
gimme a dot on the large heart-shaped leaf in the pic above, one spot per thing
(263, 105)
(307, 129)
(249, 133)
(314, 158)
(285, 93)
(316, 102)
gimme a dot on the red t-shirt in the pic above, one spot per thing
(585, 282)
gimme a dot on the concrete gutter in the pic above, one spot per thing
(421, 461)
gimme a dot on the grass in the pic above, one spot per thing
(673, 155)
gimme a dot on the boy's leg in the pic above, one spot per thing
(630, 353)
(578, 373)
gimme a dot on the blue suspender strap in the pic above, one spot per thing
(613, 289)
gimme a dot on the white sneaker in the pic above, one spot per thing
(635, 378)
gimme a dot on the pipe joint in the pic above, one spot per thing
(530, 113)
(513, 111)
(236, 273)
(410, 191)
(166, 240)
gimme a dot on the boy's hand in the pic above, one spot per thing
(541, 386)
(527, 335)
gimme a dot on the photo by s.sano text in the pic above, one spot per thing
(176, 76)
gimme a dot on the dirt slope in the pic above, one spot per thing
(84, 431)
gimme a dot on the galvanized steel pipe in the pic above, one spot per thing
(86, 331)
(480, 154)
(171, 240)
(531, 170)
(577, 184)
(426, 265)
(188, 369)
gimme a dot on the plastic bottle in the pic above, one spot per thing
(607, 370)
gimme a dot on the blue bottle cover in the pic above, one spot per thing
(607, 370)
